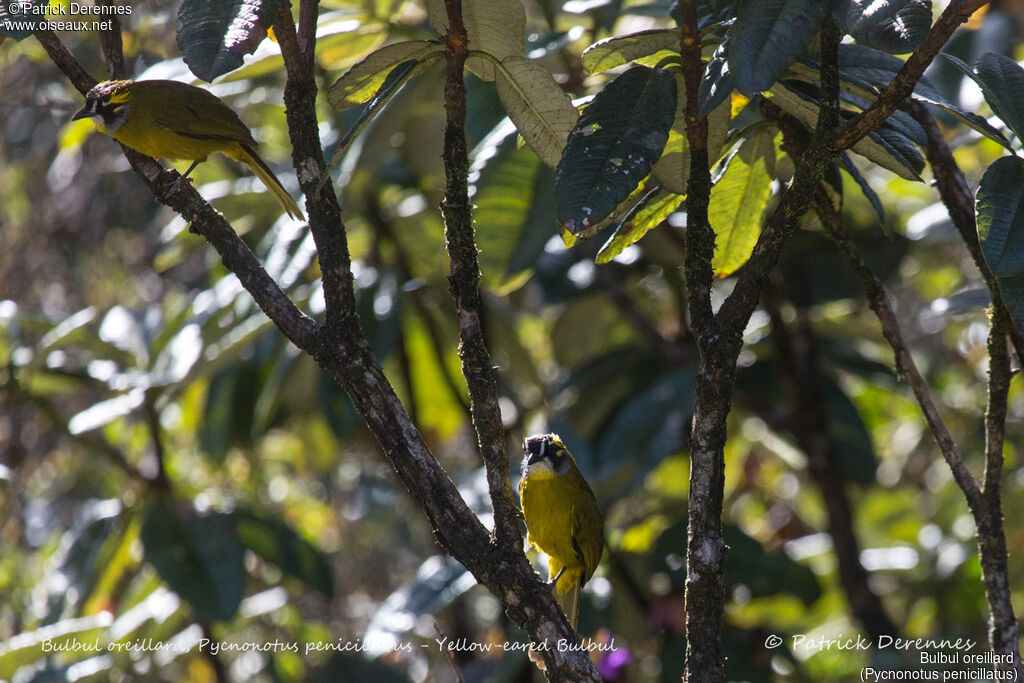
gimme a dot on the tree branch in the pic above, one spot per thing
(796, 200)
(879, 303)
(110, 43)
(959, 201)
(902, 85)
(464, 283)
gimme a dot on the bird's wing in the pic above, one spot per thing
(587, 540)
(203, 117)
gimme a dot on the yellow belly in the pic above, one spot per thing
(547, 507)
(144, 137)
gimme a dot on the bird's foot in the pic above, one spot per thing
(554, 581)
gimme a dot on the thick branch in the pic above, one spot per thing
(699, 237)
(907, 368)
(308, 159)
(902, 85)
(464, 284)
(1003, 628)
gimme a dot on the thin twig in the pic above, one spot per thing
(110, 43)
(464, 284)
(879, 302)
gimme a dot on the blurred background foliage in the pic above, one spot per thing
(129, 356)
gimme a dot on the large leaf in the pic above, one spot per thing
(1011, 287)
(619, 50)
(650, 426)
(512, 192)
(278, 543)
(620, 135)
(1000, 205)
(1002, 83)
(655, 207)
(360, 82)
(497, 27)
(214, 36)
(767, 37)
(673, 168)
(738, 201)
(200, 558)
(890, 150)
(718, 82)
(896, 26)
(541, 110)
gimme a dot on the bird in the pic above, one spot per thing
(562, 518)
(172, 120)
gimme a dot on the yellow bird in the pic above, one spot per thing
(172, 120)
(562, 518)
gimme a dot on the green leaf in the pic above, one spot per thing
(673, 168)
(1000, 206)
(738, 201)
(650, 426)
(1002, 83)
(853, 449)
(542, 111)
(497, 27)
(1011, 288)
(895, 26)
(200, 558)
(514, 206)
(619, 50)
(893, 151)
(864, 70)
(278, 543)
(620, 135)
(767, 37)
(649, 213)
(214, 36)
(361, 82)
(865, 187)
(718, 82)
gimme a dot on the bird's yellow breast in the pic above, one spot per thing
(548, 501)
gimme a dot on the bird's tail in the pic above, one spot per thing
(567, 589)
(250, 158)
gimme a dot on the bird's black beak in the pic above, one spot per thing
(84, 113)
(533, 450)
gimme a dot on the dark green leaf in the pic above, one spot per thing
(1011, 287)
(620, 135)
(278, 543)
(852, 447)
(1002, 83)
(766, 573)
(650, 426)
(896, 26)
(513, 197)
(1000, 206)
(865, 187)
(718, 83)
(767, 37)
(200, 558)
(214, 36)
